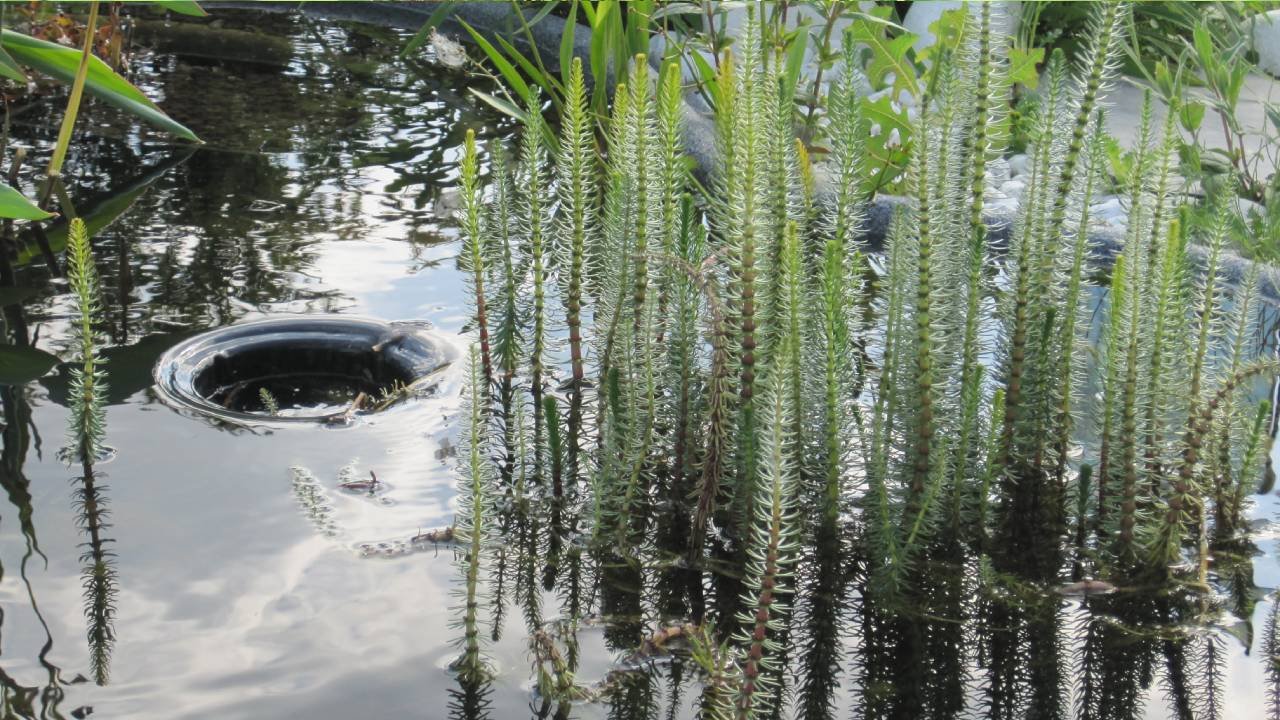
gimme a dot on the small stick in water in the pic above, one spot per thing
(369, 485)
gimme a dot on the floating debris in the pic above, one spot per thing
(448, 52)
(371, 486)
(439, 535)
(1087, 587)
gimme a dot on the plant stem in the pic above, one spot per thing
(73, 103)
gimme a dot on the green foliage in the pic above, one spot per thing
(889, 64)
(269, 402)
(86, 433)
(471, 524)
(772, 396)
(14, 204)
(87, 423)
(101, 81)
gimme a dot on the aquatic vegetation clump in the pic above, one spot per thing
(767, 417)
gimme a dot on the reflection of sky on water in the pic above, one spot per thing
(316, 193)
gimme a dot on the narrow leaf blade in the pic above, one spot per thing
(15, 205)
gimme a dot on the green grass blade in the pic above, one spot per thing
(508, 71)
(10, 68)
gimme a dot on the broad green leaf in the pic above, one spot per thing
(599, 58)
(102, 82)
(639, 13)
(542, 13)
(888, 56)
(15, 205)
(615, 39)
(21, 364)
(677, 8)
(1191, 115)
(1202, 40)
(707, 78)
(1273, 114)
(10, 68)
(1023, 64)
(887, 114)
(508, 71)
(890, 159)
(948, 31)
(424, 32)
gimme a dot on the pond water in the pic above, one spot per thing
(247, 582)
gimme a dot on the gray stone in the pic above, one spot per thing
(1109, 212)
(1266, 40)
(998, 172)
(1013, 188)
(1019, 165)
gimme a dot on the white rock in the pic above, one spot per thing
(1109, 211)
(998, 172)
(1019, 165)
(1013, 188)
(1246, 207)
(1266, 41)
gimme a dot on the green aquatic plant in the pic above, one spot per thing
(782, 410)
(772, 552)
(86, 433)
(87, 424)
(269, 402)
(472, 258)
(472, 523)
(575, 224)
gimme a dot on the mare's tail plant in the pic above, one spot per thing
(750, 386)
(473, 256)
(87, 425)
(472, 522)
(86, 433)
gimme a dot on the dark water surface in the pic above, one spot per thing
(247, 583)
